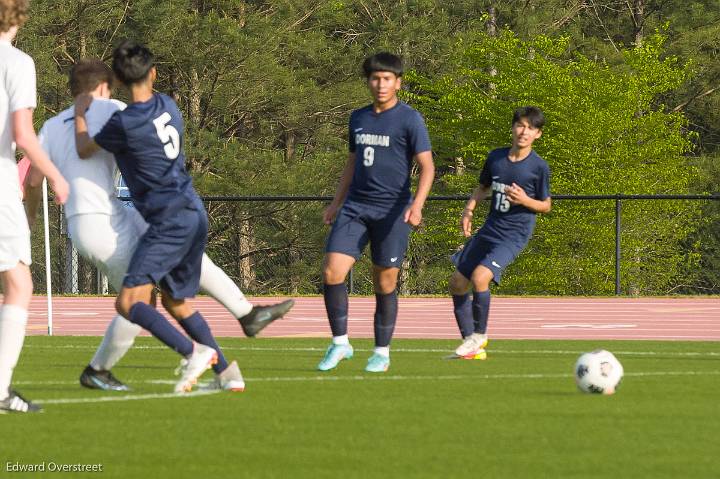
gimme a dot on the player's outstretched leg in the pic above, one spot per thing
(262, 315)
(252, 319)
(118, 339)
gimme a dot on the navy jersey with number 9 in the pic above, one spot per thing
(384, 145)
(146, 139)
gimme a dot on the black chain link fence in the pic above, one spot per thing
(274, 245)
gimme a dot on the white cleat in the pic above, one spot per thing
(202, 359)
(229, 380)
(473, 347)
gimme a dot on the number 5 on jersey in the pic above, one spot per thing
(168, 135)
(368, 156)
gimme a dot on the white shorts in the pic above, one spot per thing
(14, 236)
(108, 241)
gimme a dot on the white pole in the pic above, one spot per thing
(48, 271)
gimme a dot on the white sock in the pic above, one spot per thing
(382, 351)
(119, 338)
(341, 340)
(13, 320)
(217, 284)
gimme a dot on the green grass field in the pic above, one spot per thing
(515, 415)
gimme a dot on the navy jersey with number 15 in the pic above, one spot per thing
(384, 145)
(146, 139)
(507, 223)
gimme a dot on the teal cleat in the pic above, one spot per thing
(377, 363)
(335, 353)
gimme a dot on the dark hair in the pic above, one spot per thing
(383, 62)
(532, 114)
(87, 74)
(131, 62)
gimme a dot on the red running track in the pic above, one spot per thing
(510, 318)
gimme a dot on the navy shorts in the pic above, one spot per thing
(357, 223)
(170, 253)
(478, 251)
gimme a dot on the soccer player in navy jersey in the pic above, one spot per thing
(146, 140)
(517, 181)
(373, 204)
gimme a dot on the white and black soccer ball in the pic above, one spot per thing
(598, 372)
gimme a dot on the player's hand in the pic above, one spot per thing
(413, 216)
(82, 103)
(61, 189)
(330, 213)
(516, 195)
(466, 223)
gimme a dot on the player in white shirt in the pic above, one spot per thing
(17, 102)
(106, 232)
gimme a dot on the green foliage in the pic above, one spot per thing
(606, 133)
(266, 89)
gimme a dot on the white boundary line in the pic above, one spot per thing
(412, 350)
(129, 397)
(111, 397)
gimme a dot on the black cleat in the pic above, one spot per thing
(16, 403)
(260, 316)
(104, 380)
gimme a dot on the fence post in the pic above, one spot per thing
(618, 222)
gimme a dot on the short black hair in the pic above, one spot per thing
(533, 114)
(131, 62)
(87, 74)
(383, 62)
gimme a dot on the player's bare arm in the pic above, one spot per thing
(413, 215)
(517, 196)
(341, 191)
(478, 194)
(33, 194)
(84, 144)
(27, 140)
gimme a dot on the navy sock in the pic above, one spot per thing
(150, 319)
(464, 314)
(336, 305)
(386, 308)
(198, 329)
(481, 308)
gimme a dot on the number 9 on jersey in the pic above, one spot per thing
(368, 156)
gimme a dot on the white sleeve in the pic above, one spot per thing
(44, 139)
(20, 83)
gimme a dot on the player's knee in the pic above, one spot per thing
(458, 283)
(177, 309)
(385, 281)
(481, 283)
(122, 306)
(332, 276)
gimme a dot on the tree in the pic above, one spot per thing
(606, 133)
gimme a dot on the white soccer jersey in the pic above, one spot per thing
(92, 180)
(17, 91)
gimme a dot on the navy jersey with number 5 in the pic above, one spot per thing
(508, 223)
(384, 145)
(146, 139)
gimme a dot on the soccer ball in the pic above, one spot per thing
(598, 372)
